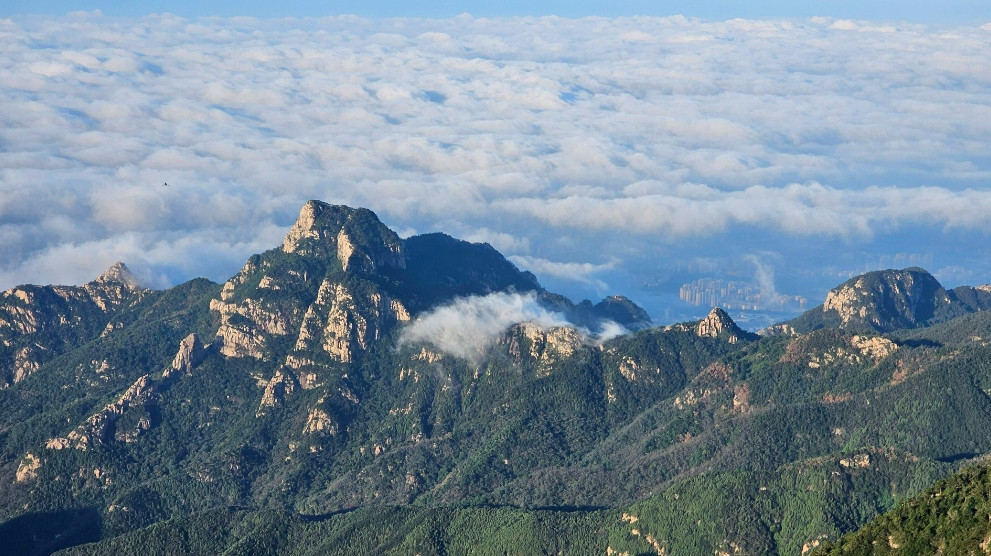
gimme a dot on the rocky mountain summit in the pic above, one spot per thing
(888, 300)
(342, 280)
(38, 323)
(717, 324)
(292, 410)
(297, 323)
(353, 237)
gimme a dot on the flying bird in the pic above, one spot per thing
(165, 184)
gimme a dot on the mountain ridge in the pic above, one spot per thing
(888, 300)
(289, 392)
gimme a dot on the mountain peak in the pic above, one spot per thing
(305, 228)
(356, 237)
(718, 323)
(887, 299)
(118, 273)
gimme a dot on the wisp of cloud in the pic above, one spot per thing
(468, 326)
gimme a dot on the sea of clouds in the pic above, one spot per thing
(572, 145)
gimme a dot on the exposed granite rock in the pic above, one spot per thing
(368, 259)
(118, 274)
(826, 348)
(355, 237)
(528, 342)
(281, 385)
(246, 325)
(27, 470)
(304, 228)
(339, 321)
(318, 421)
(26, 362)
(343, 323)
(38, 323)
(629, 368)
(888, 300)
(113, 287)
(875, 347)
(429, 356)
(99, 427)
(190, 354)
(19, 318)
(236, 342)
(717, 324)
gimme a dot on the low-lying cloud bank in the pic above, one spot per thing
(553, 137)
(468, 326)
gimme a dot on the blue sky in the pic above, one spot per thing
(923, 11)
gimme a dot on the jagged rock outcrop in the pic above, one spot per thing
(355, 237)
(340, 262)
(528, 342)
(248, 318)
(343, 323)
(888, 300)
(277, 388)
(257, 304)
(112, 286)
(27, 470)
(38, 323)
(319, 421)
(874, 347)
(100, 428)
(247, 321)
(717, 324)
(828, 348)
(899, 299)
(190, 354)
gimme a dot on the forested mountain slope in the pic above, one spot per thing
(951, 517)
(351, 390)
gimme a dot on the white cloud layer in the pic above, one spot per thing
(468, 326)
(576, 272)
(525, 132)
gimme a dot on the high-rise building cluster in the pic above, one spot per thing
(744, 296)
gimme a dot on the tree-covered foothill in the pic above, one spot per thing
(951, 517)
